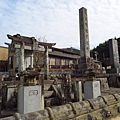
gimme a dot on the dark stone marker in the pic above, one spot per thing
(114, 56)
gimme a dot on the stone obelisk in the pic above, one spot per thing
(84, 34)
(85, 62)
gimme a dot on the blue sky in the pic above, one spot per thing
(58, 20)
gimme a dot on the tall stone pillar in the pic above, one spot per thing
(84, 34)
(114, 56)
(85, 62)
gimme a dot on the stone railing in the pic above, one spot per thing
(101, 108)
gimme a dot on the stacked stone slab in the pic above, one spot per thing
(84, 64)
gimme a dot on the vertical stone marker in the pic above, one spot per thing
(114, 56)
(85, 62)
(84, 34)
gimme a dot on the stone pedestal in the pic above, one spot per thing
(92, 89)
(29, 99)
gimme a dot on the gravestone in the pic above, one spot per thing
(29, 99)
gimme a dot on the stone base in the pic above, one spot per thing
(85, 64)
(29, 99)
(92, 89)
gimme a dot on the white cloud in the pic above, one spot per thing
(58, 20)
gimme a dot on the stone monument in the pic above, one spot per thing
(85, 62)
(84, 34)
(87, 66)
(114, 56)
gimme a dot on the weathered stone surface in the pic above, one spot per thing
(101, 108)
